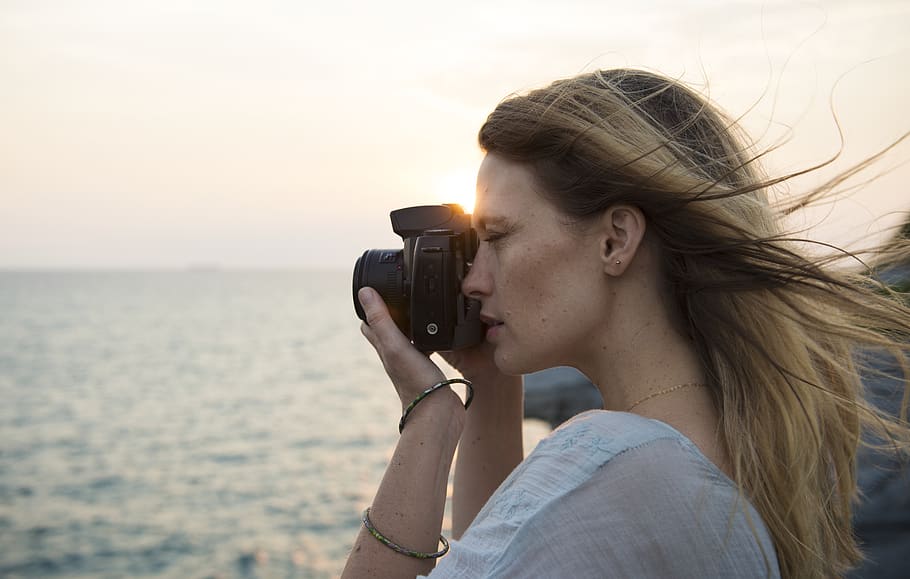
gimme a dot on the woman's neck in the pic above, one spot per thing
(642, 362)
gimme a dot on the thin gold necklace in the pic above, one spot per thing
(667, 391)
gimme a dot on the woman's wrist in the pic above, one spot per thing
(493, 379)
(443, 408)
(496, 402)
(498, 387)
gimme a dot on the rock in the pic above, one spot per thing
(557, 394)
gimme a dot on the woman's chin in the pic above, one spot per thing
(504, 362)
(511, 364)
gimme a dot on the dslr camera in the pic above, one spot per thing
(421, 284)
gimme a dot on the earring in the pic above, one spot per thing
(618, 262)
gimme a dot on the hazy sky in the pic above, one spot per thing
(170, 133)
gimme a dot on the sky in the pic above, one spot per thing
(273, 134)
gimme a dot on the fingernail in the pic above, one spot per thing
(365, 295)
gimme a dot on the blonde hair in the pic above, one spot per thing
(778, 332)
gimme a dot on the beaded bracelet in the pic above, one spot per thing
(398, 548)
(430, 390)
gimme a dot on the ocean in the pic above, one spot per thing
(193, 424)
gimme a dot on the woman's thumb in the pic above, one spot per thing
(377, 314)
(380, 329)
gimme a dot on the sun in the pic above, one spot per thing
(456, 187)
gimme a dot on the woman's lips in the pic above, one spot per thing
(493, 325)
(489, 320)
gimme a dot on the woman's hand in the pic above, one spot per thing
(410, 371)
(475, 363)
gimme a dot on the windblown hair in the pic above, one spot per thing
(779, 333)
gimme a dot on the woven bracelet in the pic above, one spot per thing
(398, 548)
(430, 390)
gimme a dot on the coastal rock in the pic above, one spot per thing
(557, 394)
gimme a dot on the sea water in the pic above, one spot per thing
(186, 424)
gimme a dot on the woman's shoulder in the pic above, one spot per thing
(632, 493)
(622, 428)
(595, 437)
(589, 445)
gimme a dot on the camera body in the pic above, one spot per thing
(421, 284)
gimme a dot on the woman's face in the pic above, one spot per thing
(541, 284)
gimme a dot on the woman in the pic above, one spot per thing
(625, 231)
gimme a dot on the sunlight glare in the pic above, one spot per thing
(457, 187)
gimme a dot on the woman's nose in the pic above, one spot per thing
(477, 283)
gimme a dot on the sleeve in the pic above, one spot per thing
(651, 511)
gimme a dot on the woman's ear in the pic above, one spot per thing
(622, 230)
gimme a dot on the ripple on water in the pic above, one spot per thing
(186, 425)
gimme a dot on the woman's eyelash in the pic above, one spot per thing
(491, 236)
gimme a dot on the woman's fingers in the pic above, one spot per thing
(380, 328)
(409, 370)
(475, 363)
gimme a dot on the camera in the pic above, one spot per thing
(421, 284)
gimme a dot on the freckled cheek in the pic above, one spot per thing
(528, 275)
(526, 296)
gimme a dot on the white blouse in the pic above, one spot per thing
(612, 494)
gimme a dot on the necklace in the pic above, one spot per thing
(667, 391)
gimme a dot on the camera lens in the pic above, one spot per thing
(383, 270)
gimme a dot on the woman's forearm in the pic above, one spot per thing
(490, 448)
(409, 505)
